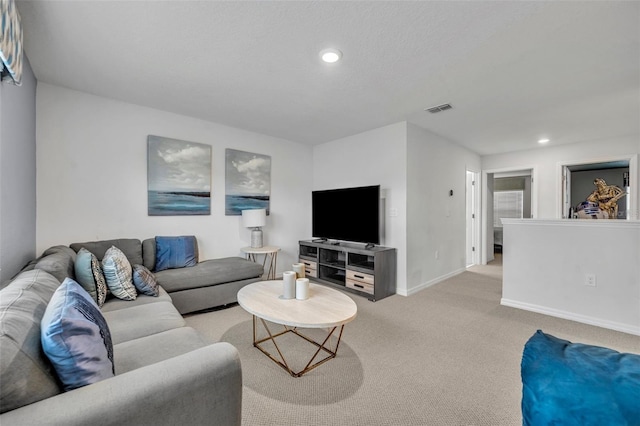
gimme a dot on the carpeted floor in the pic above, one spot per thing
(448, 355)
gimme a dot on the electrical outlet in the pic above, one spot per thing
(393, 212)
(590, 280)
(437, 254)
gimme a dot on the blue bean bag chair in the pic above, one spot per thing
(566, 383)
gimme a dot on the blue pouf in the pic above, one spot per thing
(566, 383)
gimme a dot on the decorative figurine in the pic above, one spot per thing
(606, 197)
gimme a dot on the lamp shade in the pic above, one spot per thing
(254, 218)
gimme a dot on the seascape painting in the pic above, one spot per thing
(178, 177)
(247, 181)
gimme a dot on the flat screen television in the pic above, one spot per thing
(347, 214)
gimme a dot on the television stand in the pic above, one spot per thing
(362, 270)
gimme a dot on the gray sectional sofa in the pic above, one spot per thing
(165, 372)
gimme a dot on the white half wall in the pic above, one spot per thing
(546, 264)
(546, 161)
(92, 177)
(436, 221)
(376, 157)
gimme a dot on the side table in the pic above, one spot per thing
(269, 252)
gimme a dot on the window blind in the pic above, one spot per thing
(507, 204)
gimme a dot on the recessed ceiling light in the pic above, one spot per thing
(330, 55)
(543, 140)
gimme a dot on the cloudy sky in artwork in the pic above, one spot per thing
(247, 173)
(176, 165)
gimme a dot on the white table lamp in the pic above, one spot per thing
(255, 218)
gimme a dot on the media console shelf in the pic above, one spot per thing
(369, 272)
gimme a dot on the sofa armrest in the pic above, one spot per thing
(203, 386)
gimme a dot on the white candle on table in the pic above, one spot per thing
(302, 288)
(298, 268)
(289, 290)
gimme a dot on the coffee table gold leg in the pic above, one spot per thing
(283, 363)
(271, 337)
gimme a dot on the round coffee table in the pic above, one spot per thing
(325, 308)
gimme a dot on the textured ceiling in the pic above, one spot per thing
(513, 71)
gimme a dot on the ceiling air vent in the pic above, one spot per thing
(438, 108)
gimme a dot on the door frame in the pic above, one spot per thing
(563, 166)
(487, 252)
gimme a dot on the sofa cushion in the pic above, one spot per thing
(576, 384)
(131, 247)
(144, 281)
(158, 347)
(27, 374)
(208, 272)
(176, 252)
(114, 304)
(142, 320)
(118, 274)
(89, 275)
(76, 338)
(58, 261)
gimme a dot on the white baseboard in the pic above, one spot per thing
(429, 283)
(611, 325)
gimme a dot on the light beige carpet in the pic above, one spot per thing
(448, 355)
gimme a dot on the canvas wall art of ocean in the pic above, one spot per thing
(234, 204)
(178, 203)
(178, 177)
(247, 181)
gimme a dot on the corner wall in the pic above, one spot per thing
(92, 177)
(17, 173)
(436, 222)
(376, 157)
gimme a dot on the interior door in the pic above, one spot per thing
(472, 218)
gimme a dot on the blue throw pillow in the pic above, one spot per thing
(89, 275)
(566, 383)
(76, 338)
(176, 252)
(144, 281)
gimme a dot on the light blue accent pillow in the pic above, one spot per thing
(76, 338)
(566, 383)
(176, 252)
(84, 274)
(145, 281)
(89, 275)
(117, 272)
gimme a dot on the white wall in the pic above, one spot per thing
(17, 173)
(92, 177)
(545, 264)
(546, 162)
(436, 222)
(376, 157)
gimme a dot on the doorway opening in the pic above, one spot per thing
(578, 184)
(508, 193)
